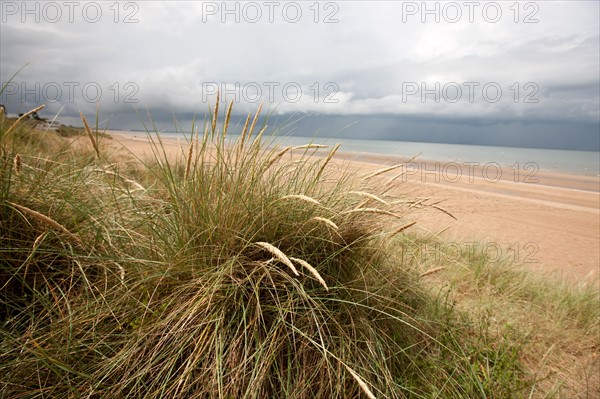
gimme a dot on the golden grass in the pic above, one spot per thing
(90, 134)
(328, 222)
(369, 195)
(310, 147)
(394, 178)
(25, 115)
(254, 121)
(473, 363)
(258, 137)
(277, 157)
(402, 228)
(361, 383)
(245, 129)
(279, 255)
(431, 271)
(301, 197)
(215, 115)
(327, 160)
(312, 271)
(188, 163)
(227, 118)
(133, 183)
(382, 171)
(17, 164)
(46, 220)
(371, 210)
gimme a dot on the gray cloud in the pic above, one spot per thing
(370, 62)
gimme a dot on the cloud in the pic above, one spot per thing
(372, 58)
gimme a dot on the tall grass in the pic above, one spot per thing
(236, 269)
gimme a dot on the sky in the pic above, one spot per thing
(469, 72)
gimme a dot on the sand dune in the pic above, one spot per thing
(550, 223)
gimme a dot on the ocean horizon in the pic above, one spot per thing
(551, 160)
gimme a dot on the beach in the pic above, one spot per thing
(548, 222)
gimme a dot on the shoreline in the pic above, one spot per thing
(460, 172)
(551, 226)
(447, 171)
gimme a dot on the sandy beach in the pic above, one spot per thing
(546, 221)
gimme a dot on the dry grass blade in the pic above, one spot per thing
(310, 146)
(435, 270)
(38, 241)
(245, 129)
(25, 115)
(312, 271)
(259, 135)
(45, 220)
(301, 197)
(369, 195)
(439, 208)
(90, 134)
(389, 168)
(254, 121)
(121, 273)
(361, 383)
(188, 164)
(393, 179)
(278, 254)
(277, 157)
(137, 185)
(227, 118)
(370, 210)
(17, 164)
(402, 228)
(381, 171)
(327, 222)
(441, 231)
(331, 154)
(215, 115)
(416, 203)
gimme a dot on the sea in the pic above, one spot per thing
(567, 161)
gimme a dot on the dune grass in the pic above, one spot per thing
(239, 269)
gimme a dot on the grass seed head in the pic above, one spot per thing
(312, 271)
(279, 255)
(90, 134)
(301, 197)
(369, 195)
(328, 222)
(17, 164)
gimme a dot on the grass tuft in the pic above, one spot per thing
(175, 287)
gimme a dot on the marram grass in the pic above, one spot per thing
(230, 271)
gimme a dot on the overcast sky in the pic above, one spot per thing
(468, 72)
